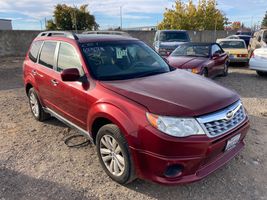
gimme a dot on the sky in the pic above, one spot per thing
(31, 15)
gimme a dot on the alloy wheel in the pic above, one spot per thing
(111, 155)
(34, 105)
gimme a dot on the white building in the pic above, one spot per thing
(5, 24)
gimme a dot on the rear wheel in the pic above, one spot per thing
(114, 155)
(35, 106)
(261, 73)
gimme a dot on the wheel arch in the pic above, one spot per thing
(103, 114)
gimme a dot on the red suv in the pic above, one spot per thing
(147, 119)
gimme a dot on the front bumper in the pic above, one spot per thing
(198, 156)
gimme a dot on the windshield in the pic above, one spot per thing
(195, 50)
(173, 36)
(232, 44)
(122, 60)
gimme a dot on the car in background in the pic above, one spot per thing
(258, 40)
(244, 33)
(207, 59)
(258, 61)
(166, 41)
(246, 38)
(236, 49)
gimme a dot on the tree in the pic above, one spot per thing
(264, 21)
(204, 16)
(71, 18)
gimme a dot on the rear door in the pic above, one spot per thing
(45, 72)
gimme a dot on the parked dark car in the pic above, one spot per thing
(246, 38)
(207, 59)
(244, 33)
(147, 119)
(166, 41)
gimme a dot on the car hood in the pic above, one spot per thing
(186, 62)
(177, 93)
(173, 45)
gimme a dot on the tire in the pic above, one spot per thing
(225, 69)
(205, 73)
(261, 73)
(36, 108)
(122, 170)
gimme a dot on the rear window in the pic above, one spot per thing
(35, 50)
(47, 54)
(173, 36)
(232, 44)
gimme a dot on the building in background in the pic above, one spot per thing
(5, 24)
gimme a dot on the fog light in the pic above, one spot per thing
(173, 171)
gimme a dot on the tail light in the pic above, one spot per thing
(252, 55)
(242, 55)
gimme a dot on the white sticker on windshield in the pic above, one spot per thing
(121, 53)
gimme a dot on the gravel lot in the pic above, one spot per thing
(36, 164)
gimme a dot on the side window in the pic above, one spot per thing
(47, 54)
(68, 58)
(216, 49)
(35, 50)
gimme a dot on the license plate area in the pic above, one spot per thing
(231, 143)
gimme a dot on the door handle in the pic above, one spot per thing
(54, 82)
(34, 72)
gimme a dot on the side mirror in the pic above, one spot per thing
(215, 55)
(165, 59)
(71, 74)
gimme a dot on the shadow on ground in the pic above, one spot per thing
(15, 185)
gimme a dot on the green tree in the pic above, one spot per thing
(204, 16)
(71, 18)
(264, 21)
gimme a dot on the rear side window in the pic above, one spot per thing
(68, 58)
(35, 50)
(47, 54)
(216, 49)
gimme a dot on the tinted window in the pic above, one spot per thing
(122, 60)
(68, 58)
(173, 36)
(216, 49)
(47, 54)
(35, 50)
(195, 50)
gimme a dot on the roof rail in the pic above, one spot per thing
(107, 33)
(67, 34)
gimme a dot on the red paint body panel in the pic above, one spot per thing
(125, 103)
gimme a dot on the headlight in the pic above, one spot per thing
(177, 127)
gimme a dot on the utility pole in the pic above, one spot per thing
(121, 15)
(41, 24)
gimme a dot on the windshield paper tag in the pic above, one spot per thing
(121, 53)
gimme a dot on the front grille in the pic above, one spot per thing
(223, 121)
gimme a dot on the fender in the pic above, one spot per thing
(114, 114)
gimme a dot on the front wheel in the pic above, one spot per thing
(114, 155)
(205, 73)
(225, 69)
(261, 73)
